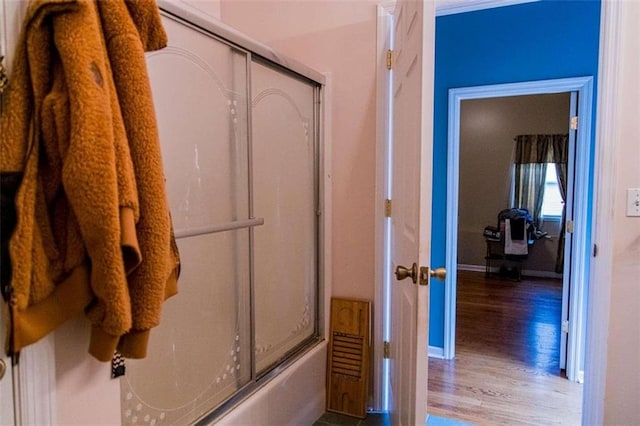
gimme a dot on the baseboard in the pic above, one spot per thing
(525, 272)
(436, 352)
(473, 268)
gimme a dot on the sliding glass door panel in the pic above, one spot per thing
(284, 193)
(198, 356)
(200, 89)
(239, 139)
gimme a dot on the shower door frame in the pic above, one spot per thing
(258, 53)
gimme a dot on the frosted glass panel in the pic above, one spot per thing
(199, 355)
(210, 346)
(199, 87)
(284, 194)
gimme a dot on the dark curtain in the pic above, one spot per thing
(561, 173)
(533, 152)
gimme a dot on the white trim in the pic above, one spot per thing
(326, 207)
(471, 268)
(604, 178)
(436, 352)
(580, 248)
(36, 383)
(525, 272)
(584, 85)
(385, 10)
(450, 7)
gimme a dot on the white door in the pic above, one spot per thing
(412, 99)
(6, 383)
(569, 352)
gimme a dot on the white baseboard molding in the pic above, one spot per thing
(473, 268)
(436, 352)
(525, 272)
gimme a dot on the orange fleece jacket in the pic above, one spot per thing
(86, 237)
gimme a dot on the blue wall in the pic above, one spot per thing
(533, 41)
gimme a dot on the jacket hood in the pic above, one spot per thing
(146, 18)
(38, 9)
(144, 14)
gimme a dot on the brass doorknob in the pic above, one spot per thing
(3, 368)
(439, 273)
(402, 272)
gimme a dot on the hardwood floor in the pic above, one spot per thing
(506, 367)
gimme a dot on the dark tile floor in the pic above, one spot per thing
(334, 419)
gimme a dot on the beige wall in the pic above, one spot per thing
(487, 129)
(85, 392)
(622, 397)
(338, 37)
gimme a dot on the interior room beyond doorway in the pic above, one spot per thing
(488, 128)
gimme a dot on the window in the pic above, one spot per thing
(552, 200)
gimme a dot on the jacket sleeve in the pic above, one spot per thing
(90, 173)
(16, 105)
(134, 26)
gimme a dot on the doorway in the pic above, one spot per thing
(492, 132)
(578, 262)
(598, 319)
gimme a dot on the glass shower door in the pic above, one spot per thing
(239, 144)
(284, 193)
(199, 356)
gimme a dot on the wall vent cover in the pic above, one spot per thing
(349, 355)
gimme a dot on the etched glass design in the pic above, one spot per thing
(200, 354)
(284, 194)
(230, 163)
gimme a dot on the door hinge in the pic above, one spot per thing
(387, 208)
(389, 59)
(565, 326)
(570, 226)
(574, 123)
(386, 350)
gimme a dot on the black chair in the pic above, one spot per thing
(509, 247)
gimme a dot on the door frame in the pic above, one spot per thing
(581, 249)
(382, 272)
(601, 267)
